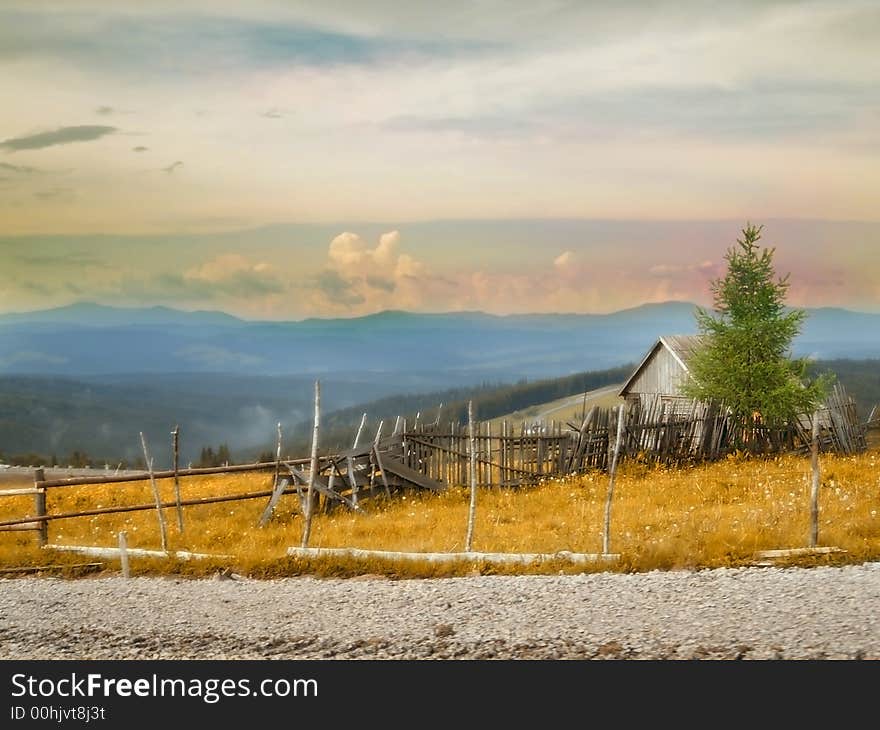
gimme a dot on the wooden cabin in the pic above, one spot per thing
(661, 373)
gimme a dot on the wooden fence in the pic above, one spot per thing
(432, 456)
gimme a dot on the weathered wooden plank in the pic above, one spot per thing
(464, 456)
(798, 552)
(140, 507)
(18, 492)
(109, 552)
(398, 468)
(24, 526)
(280, 486)
(467, 557)
(322, 487)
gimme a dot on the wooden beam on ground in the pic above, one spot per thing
(105, 552)
(797, 552)
(41, 568)
(465, 557)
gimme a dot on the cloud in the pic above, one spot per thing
(224, 266)
(488, 126)
(62, 135)
(665, 270)
(564, 260)
(377, 282)
(227, 275)
(105, 111)
(337, 289)
(349, 254)
(172, 167)
(65, 258)
(368, 278)
(55, 194)
(127, 41)
(272, 114)
(18, 169)
(140, 148)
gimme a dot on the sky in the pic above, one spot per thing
(282, 160)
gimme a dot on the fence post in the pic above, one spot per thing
(163, 529)
(277, 455)
(123, 555)
(814, 491)
(311, 493)
(40, 506)
(606, 533)
(175, 446)
(472, 510)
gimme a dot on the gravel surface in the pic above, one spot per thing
(750, 613)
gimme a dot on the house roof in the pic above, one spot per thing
(682, 348)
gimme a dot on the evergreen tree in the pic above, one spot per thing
(745, 357)
(207, 457)
(223, 456)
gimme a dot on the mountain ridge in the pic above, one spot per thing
(69, 312)
(468, 347)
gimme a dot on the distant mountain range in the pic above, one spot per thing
(444, 349)
(91, 377)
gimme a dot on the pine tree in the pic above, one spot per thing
(745, 356)
(223, 456)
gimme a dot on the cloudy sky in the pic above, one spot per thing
(294, 159)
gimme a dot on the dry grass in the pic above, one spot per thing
(705, 516)
(563, 410)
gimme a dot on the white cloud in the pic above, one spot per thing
(225, 266)
(703, 267)
(360, 278)
(564, 260)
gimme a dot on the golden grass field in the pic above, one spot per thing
(704, 516)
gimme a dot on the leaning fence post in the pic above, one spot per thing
(175, 444)
(472, 510)
(814, 492)
(163, 528)
(40, 506)
(313, 468)
(350, 461)
(606, 533)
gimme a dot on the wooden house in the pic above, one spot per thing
(661, 374)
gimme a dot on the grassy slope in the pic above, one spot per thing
(713, 515)
(568, 409)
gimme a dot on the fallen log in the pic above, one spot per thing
(465, 557)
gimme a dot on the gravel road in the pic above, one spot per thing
(751, 613)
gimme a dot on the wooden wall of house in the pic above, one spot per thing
(662, 374)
